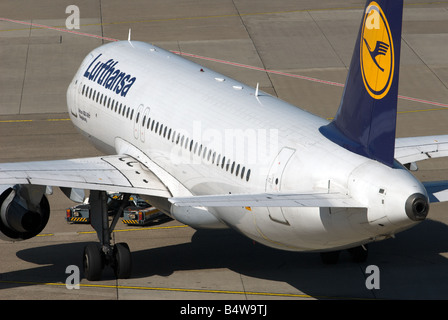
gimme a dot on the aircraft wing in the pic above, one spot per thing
(413, 149)
(311, 199)
(118, 173)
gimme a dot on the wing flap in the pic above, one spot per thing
(269, 200)
(110, 173)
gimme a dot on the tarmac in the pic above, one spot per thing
(299, 51)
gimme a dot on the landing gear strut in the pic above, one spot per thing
(358, 254)
(97, 256)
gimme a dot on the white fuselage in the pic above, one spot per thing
(188, 119)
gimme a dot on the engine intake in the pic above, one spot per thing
(24, 212)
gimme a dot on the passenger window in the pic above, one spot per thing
(242, 172)
(237, 170)
(248, 175)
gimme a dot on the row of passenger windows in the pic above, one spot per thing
(108, 102)
(193, 146)
(158, 128)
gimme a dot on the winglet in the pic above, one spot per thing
(366, 120)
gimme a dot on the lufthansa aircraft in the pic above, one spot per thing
(214, 153)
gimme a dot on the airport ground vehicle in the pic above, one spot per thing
(78, 214)
(137, 212)
(141, 215)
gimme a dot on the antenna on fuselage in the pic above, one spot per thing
(129, 38)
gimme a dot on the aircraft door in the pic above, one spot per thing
(138, 120)
(274, 179)
(72, 97)
(145, 120)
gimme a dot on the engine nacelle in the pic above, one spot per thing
(24, 211)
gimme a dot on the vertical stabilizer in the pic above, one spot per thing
(366, 120)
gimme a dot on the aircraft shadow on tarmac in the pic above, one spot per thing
(411, 266)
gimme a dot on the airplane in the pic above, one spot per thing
(214, 153)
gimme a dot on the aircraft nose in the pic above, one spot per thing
(417, 207)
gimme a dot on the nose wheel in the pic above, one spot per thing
(97, 256)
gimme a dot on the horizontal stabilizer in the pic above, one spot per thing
(437, 191)
(413, 149)
(269, 200)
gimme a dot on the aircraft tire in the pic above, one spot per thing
(331, 257)
(92, 262)
(359, 254)
(123, 261)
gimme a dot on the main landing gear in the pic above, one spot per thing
(97, 256)
(358, 254)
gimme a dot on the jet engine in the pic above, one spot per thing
(24, 211)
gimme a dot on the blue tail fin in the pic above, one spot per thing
(366, 120)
